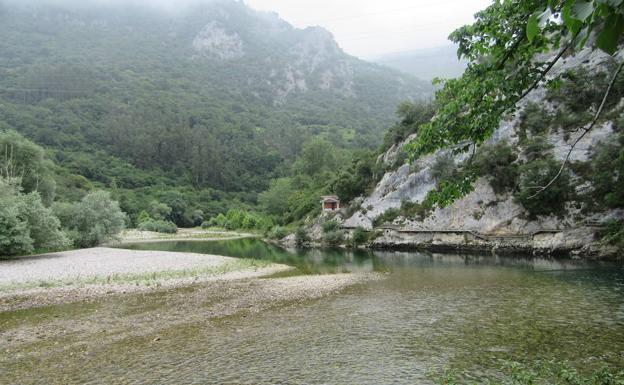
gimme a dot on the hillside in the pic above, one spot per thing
(501, 212)
(217, 97)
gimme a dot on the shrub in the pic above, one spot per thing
(94, 220)
(159, 226)
(301, 236)
(14, 232)
(277, 232)
(26, 224)
(387, 217)
(332, 234)
(143, 217)
(220, 221)
(360, 236)
(197, 216)
(330, 226)
(536, 148)
(607, 174)
(534, 120)
(496, 163)
(333, 238)
(414, 210)
(444, 168)
(45, 228)
(159, 211)
(536, 174)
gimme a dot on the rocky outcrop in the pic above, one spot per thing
(213, 40)
(484, 220)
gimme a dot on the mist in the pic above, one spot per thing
(363, 28)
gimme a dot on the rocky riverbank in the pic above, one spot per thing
(576, 243)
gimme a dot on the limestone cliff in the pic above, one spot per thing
(484, 219)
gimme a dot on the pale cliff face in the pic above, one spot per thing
(213, 40)
(482, 210)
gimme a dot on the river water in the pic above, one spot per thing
(431, 313)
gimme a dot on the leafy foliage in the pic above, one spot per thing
(158, 226)
(26, 224)
(388, 216)
(360, 236)
(497, 164)
(301, 236)
(332, 234)
(148, 117)
(535, 174)
(502, 48)
(24, 160)
(94, 220)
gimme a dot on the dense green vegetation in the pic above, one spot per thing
(503, 48)
(28, 223)
(148, 117)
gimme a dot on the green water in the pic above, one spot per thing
(431, 313)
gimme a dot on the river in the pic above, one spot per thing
(430, 314)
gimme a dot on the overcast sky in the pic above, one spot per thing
(367, 28)
(363, 28)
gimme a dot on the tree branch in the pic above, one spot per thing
(546, 70)
(589, 128)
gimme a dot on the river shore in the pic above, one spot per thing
(89, 274)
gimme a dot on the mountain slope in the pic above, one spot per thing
(216, 96)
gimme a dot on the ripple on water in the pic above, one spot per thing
(428, 315)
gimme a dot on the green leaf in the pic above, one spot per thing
(582, 10)
(532, 28)
(573, 25)
(608, 38)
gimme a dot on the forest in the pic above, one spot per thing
(121, 99)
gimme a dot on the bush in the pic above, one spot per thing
(159, 211)
(26, 224)
(94, 220)
(277, 232)
(496, 163)
(332, 234)
(301, 236)
(360, 236)
(143, 217)
(536, 174)
(14, 232)
(197, 216)
(534, 120)
(333, 238)
(387, 217)
(444, 168)
(414, 210)
(45, 228)
(536, 148)
(607, 174)
(159, 226)
(330, 226)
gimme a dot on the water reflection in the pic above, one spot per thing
(327, 261)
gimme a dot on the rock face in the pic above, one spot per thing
(214, 40)
(483, 219)
(287, 60)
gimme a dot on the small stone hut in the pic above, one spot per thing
(330, 203)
